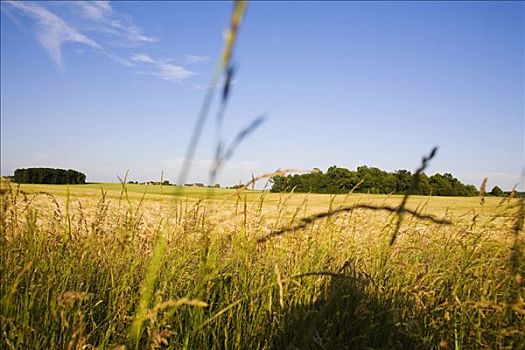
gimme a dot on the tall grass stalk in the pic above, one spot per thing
(218, 285)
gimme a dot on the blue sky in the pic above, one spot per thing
(107, 87)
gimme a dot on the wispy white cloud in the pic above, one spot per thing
(115, 34)
(168, 71)
(142, 58)
(162, 69)
(110, 22)
(52, 30)
(129, 32)
(196, 59)
(95, 10)
(118, 59)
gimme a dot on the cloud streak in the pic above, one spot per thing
(196, 59)
(95, 10)
(53, 32)
(115, 34)
(161, 68)
(107, 20)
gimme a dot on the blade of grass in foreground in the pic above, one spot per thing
(231, 36)
(146, 289)
(157, 257)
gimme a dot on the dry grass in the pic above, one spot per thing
(73, 266)
(101, 266)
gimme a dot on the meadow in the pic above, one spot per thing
(128, 266)
(134, 266)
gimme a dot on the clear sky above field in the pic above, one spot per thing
(107, 87)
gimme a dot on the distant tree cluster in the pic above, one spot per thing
(371, 180)
(497, 192)
(167, 183)
(48, 176)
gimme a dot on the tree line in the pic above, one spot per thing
(48, 176)
(372, 180)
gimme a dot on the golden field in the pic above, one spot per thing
(109, 266)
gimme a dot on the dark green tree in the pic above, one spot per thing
(497, 192)
(49, 176)
(371, 180)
